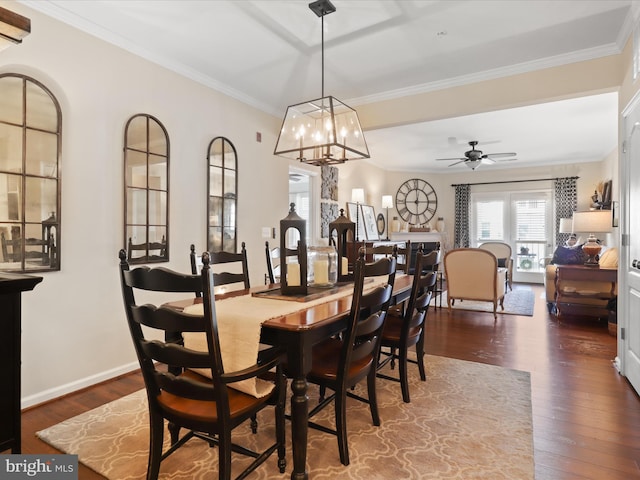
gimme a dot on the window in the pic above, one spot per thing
(30, 146)
(222, 211)
(489, 220)
(146, 199)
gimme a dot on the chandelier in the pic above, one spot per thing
(324, 131)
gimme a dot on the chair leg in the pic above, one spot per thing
(373, 399)
(254, 424)
(404, 383)
(341, 426)
(224, 455)
(156, 435)
(420, 357)
(174, 431)
(280, 427)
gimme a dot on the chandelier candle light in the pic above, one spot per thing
(323, 131)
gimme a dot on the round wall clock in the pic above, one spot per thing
(416, 201)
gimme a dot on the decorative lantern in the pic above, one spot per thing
(342, 226)
(293, 273)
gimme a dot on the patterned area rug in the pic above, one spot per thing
(467, 421)
(519, 301)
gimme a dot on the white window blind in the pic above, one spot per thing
(530, 220)
(489, 220)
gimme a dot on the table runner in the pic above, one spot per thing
(239, 322)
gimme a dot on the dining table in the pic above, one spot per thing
(296, 333)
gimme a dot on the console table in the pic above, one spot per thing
(11, 288)
(573, 299)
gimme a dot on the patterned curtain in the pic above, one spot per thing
(566, 202)
(463, 206)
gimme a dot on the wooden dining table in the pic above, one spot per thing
(296, 334)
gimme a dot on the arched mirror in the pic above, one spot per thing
(222, 196)
(146, 199)
(30, 148)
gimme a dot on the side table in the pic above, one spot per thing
(573, 299)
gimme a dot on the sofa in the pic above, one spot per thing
(565, 255)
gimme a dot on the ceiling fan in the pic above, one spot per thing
(474, 158)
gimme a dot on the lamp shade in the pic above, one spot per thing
(593, 221)
(387, 201)
(357, 195)
(566, 225)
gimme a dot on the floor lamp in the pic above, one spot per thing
(357, 197)
(387, 203)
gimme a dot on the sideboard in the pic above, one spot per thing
(11, 288)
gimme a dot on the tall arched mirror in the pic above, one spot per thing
(222, 195)
(30, 146)
(146, 199)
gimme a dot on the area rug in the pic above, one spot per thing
(519, 301)
(467, 421)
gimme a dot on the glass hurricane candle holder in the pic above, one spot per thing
(322, 267)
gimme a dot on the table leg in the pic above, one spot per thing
(299, 427)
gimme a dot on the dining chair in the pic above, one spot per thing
(404, 331)
(220, 278)
(208, 408)
(273, 263)
(340, 363)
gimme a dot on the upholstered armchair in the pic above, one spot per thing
(473, 274)
(502, 251)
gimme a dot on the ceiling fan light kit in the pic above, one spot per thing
(474, 158)
(323, 131)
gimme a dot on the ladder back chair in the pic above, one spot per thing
(404, 331)
(340, 363)
(220, 278)
(208, 408)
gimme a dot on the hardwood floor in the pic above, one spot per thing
(586, 417)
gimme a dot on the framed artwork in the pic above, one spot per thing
(370, 222)
(355, 215)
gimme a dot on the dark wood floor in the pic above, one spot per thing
(586, 418)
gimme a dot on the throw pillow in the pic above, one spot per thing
(568, 255)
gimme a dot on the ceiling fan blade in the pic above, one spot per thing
(505, 159)
(450, 159)
(456, 163)
(500, 155)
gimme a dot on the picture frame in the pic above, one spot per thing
(354, 212)
(370, 222)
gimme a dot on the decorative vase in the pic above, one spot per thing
(440, 224)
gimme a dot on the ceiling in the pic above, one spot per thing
(267, 53)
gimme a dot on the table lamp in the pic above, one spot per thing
(357, 197)
(387, 203)
(566, 226)
(593, 221)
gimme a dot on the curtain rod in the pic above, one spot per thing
(513, 181)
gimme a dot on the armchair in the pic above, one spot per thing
(473, 274)
(503, 253)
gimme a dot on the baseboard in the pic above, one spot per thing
(62, 390)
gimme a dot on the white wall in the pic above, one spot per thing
(74, 331)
